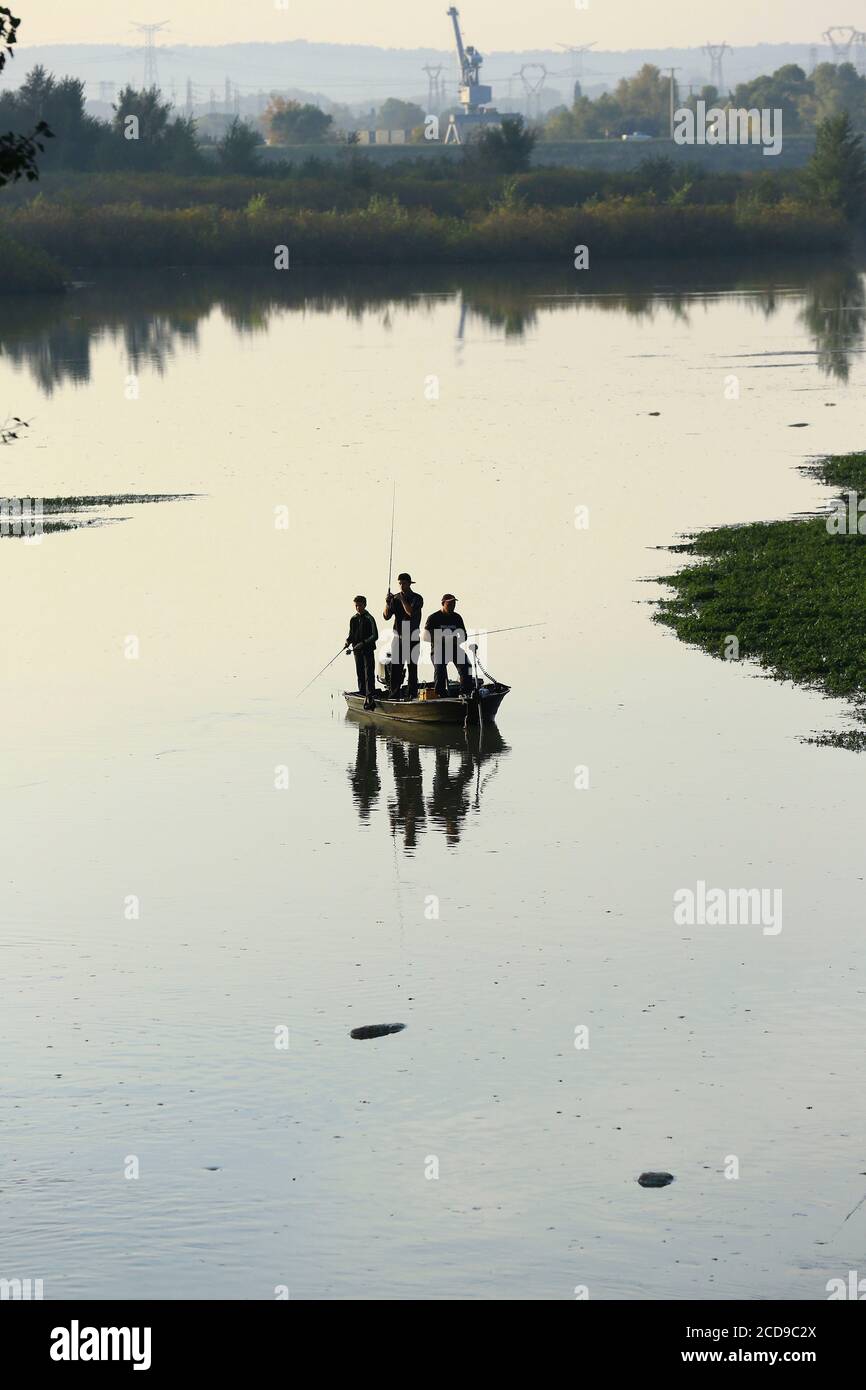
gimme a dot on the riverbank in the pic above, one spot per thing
(385, 233)
(790, 595)
(27, 269)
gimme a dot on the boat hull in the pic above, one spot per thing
(448, 710)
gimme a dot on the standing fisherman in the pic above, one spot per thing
(445, 631)
(363, 635)
(405, 608)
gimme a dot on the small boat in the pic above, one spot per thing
(482, 706)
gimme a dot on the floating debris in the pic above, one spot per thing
(655, 1179)
(377, 1030)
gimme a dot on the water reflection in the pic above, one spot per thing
(365, 778)
(152, 317)
(835, 317)
(30, 518)
(437, 776)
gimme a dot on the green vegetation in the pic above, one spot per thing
(506, 149)
(18, 152)
(141, 192)
(395, 114)
(23, 269)
(792, 593)
(27, 269)
(836, 174)
(291, 123)
(238, 150)
(458, 189)
(145, 133)
(642, 103)
(639, 103)
(384, 232)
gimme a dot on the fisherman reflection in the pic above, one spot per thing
(455, 758)
(365, 779)
(454, 773)
(407, 813)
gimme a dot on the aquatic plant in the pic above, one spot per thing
(789, 595)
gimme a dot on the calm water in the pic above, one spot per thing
(171, 908)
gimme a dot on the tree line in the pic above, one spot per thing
(642, 103)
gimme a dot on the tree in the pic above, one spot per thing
(60, 104)
(644, 101)
(148, 111)
(147, 134)
(18, 152)
(290, 123)
(237, 149)
(559, 125)
(837, 88)
(836, 174)
(506, 148)
(394, 114)
(788, 90)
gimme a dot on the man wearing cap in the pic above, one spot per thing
(445, 630)
(405, 607)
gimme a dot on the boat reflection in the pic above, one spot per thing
(438, 775)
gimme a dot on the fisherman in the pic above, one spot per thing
(445, 631)
(362, 638)
(405, 607)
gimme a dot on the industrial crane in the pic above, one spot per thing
(473, 93)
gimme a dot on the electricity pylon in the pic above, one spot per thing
(435, 86)
(151, 74)
(716, 52)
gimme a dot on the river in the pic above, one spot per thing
(210, 882)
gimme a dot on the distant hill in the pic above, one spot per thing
(355, 74)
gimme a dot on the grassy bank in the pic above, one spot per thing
(445, 188)
(792, 593)
(385, 232)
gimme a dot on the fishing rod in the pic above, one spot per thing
(489, 631)
(331, 662)
(391, 551)
(366, 639)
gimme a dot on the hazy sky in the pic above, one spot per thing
(489, 24)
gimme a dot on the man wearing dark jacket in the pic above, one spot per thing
(445, 630)
(405, 607)
(362, 638)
